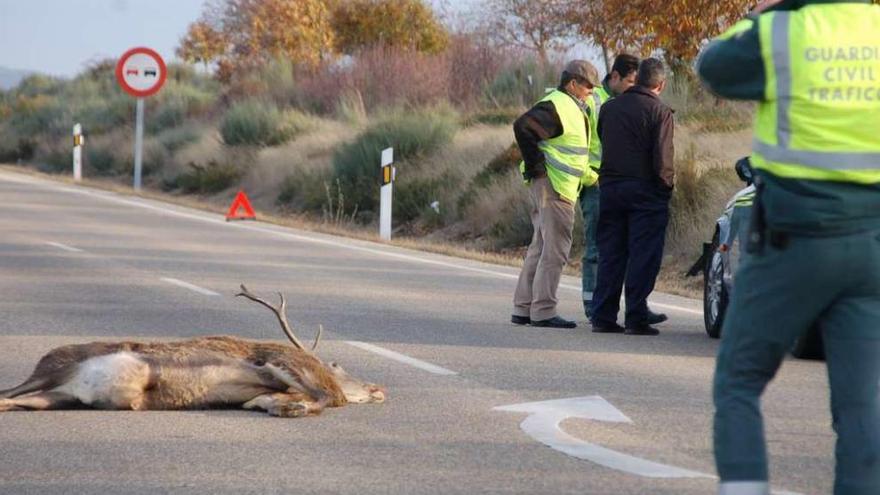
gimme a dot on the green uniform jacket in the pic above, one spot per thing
(733, 68)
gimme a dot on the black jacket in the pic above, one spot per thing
(636, 130)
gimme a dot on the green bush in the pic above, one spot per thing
(177, 138)
(414, 134)
(305, 191)
(255, 123)
(522, 83)
(175, 104)
(102, 161)
(206, 179)
(413, 197)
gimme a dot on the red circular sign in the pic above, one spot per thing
(141, 72)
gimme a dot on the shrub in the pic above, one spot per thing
(498, 169)
(253, 122)
(102, 161)
(523, 82)
(356, 165)
(175, 139)
(13, 147)
(413, 198)
(305, 191)
(698, 199)
(206, 179)
(384, 76)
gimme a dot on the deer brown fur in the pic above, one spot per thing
(219, 371)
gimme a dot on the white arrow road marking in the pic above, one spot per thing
(64, 247)
(186, 285)
(543, 421)
(433, 368)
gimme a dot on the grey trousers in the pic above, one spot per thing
(553, 220)
(780, 293)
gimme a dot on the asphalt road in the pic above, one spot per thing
(78, 265)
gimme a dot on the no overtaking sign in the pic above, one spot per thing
(141, 72)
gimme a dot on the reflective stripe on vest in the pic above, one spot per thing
(818, 110)
(566, 155)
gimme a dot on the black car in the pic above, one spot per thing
(722, 256)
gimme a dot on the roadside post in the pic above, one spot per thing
(388, 175)
(78, 142)
(141, 72)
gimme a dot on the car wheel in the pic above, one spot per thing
(715, 297)
(809, 346)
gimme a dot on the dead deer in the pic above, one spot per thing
(222, 371)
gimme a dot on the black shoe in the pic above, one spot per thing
(643, 329)
(655, 318)
(588, 309)
(520, 320)
(607, 328)
(555, 322)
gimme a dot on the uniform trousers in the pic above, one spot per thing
(589, 202)
(780, 293)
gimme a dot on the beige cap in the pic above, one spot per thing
(584, 69)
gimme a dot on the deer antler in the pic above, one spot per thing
(281, 314)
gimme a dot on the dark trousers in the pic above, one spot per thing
(633, 215)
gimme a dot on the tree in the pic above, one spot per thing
(202, 43)
(399, 23)
(244, 33)
(536, 25)
(601, 21)
(680, 27)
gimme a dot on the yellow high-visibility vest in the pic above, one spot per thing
(567, 155)
(821, 116)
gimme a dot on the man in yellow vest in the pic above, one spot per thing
(814, 239)
(621, 78)
(554, 138)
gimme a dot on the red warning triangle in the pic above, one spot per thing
(240, 201)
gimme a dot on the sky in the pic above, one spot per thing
(61, 37)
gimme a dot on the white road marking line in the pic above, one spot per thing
(186, 285)
(298, 237)
(432, 368)
(65, 247)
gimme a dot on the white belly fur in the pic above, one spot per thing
(114, 380)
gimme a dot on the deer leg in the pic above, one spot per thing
(292, 405)
(39, 402)
(30, 385)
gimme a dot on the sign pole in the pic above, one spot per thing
(139, 144)
(385, 194)
(141, 72)
(77, 152)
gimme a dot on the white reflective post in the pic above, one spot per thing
(77, 152)
(138, 144)
(385, 194)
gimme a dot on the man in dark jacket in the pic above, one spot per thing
(636, 180)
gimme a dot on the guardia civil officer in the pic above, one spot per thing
(814, 242)
(554, 138)
(621, 78)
